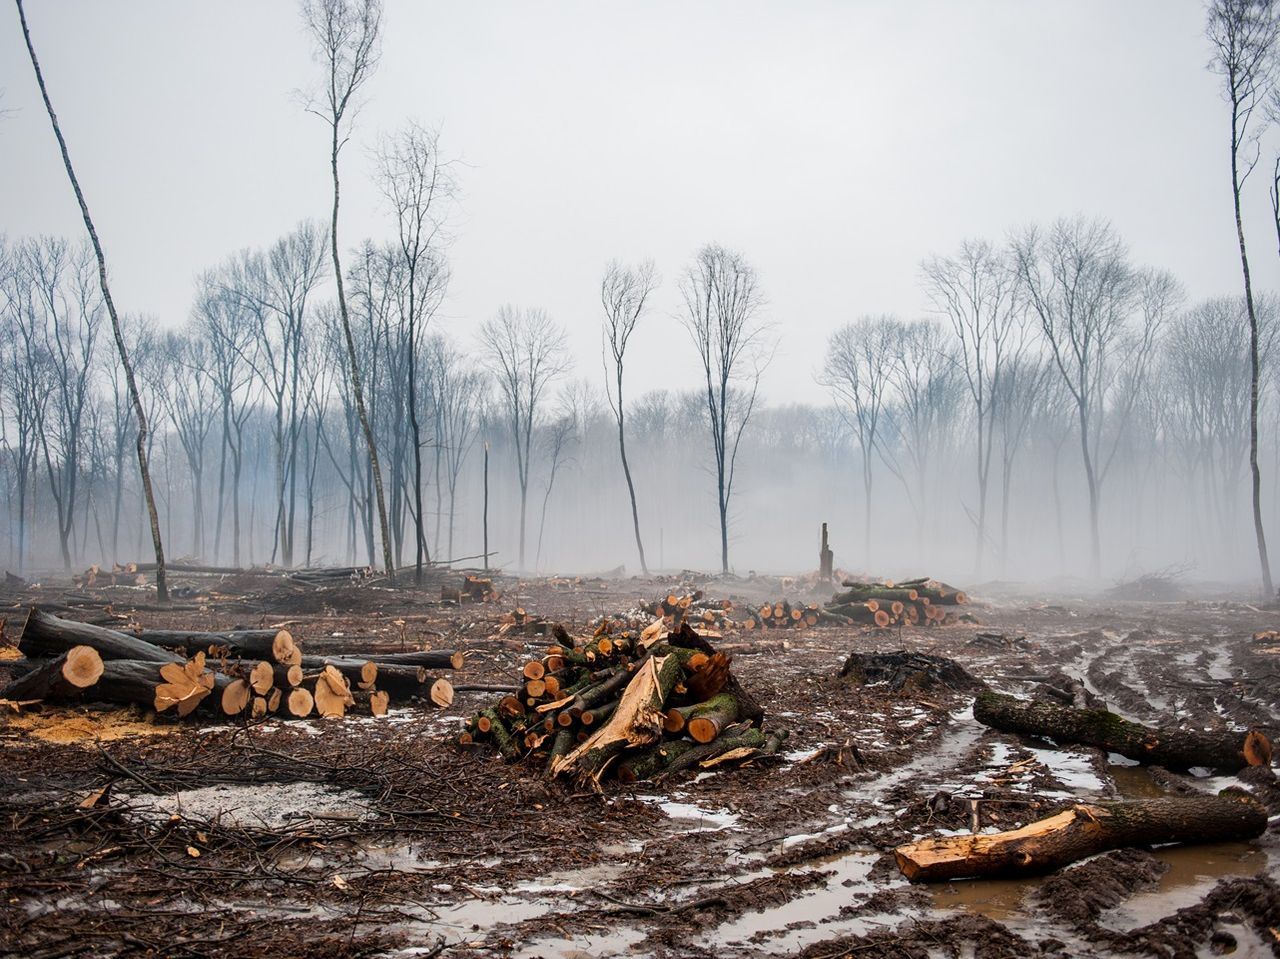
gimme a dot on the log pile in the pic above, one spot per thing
(250, 673)
(786, 615)
(627, 705)
(914, 602)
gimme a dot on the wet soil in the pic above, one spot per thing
(380, 837)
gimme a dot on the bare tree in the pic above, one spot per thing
(229, 328)
(857, 372)
(975, 290)
(1100, 318)
(416, 184)
(924, 374)
(458, 395)
(525, 352)
(345, 33)
(624, 293)
(191, 399)
(1023, 381)
(722, 306)
(162, 592)
(1243, 34)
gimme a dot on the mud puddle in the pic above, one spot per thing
(1193, 871)
(825, 910)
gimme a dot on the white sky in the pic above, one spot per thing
(834, 144)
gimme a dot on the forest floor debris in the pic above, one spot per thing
(430, 847)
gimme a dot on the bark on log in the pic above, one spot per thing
(430, 658)
(47, 635)
(60, 678)
(1082, 830)
(1173, 748)
(269, 644)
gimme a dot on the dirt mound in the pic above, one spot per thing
(908, 671)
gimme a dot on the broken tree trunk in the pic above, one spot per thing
(1082, 830)
(1179, 749)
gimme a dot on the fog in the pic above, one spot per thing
(899, 204)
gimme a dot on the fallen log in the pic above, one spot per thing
(430, 658)
(73, 671)
(1081, 831)
(1180, 749)
(276, 645)
(47, 635)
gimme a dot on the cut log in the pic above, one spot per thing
(276, 645)
(262, 678)
(301, 702)
(47, 635)
(1180, 749)
(430, 658)
(442, 692)
(78, 668)
(707, 720)
(235, 697)
(356, 669)
(1083, 830)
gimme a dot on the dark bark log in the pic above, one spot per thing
(47, 635)
(53, 680)
(242, 643)
(430, 658)
(1173, 748)
(1083, 830)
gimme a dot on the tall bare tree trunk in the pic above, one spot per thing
(162, 590)
(1267, 588)
(356, 386)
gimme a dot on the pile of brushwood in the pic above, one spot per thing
(632, 705)
(253, 672)
(913, 602)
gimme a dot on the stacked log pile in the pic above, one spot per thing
(786, 615)
(248, 673)
(627, 705)
(913, 602)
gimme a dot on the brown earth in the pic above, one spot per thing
(381, 837)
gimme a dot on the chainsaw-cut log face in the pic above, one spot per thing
(301, 702)
(293, 674)
(83, 666)
(262, 678)
(235, 697)
(378, 703)
(259, 708)
(284, 650)
(273, 700)
(442, 692)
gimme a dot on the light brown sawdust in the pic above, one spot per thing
(9, 652)
(77, 727)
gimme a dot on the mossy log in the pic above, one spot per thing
(1173, 748)
(1083, 830)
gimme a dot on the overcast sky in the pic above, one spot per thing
(834, 144)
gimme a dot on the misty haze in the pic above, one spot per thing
(817, 436)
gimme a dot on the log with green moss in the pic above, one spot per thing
(1170, 747)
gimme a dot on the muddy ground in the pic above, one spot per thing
(381, 837)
